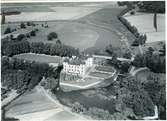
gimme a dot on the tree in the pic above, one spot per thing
(58, 42)
(3, 18)
(11, 37)
(37, 47)
(127, 55)
(163, 50)
(78, 108)
(125, 67)
(20, 37)
(52, 35)
(33, 33)
(29, 23)
(139, 61)
(22, 26)
(152, 6)
(8, 30)
(155, 86)
(109, 49)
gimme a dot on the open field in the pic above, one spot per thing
(35, 106)
(59, 13)
(106, 19)
(39, 58)
(144, 23)
(43, 7)
(69, 33)
(99, 28)
(28, 103)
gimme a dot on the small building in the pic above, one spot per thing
(77, 66)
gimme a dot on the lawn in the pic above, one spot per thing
(39, 58)
(86, 81)
(99, 74)
(105, 68)
(144, 23)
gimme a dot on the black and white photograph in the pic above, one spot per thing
(87, 60)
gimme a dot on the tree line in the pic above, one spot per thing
(10, 48)
(140, 38)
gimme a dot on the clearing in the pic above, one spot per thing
(39, 58)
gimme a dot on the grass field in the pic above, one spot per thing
(58, 13)
(99, 74)
(106, 20)
(39, 58)
(105, 68)
(144, 23)
(35, 106)
(98, 26)
(28, 103)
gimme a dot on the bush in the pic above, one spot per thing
(52, 35)
(99, 114)
(135, 43)
(8, 30)
(132, 13)
(140, 40)
(28, 23)
(22, 25)
(78, 108)
(33, 33)
(20, 37)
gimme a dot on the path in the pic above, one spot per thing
(81, 87)
(138, 70)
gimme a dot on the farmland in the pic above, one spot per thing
(144, 23)
(35, 105)
(59, 13)
(96, 25)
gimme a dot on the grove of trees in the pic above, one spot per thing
(8, 30)
(22, 75)
(154, 61)
(10, 48)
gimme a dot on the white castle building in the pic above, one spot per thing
(77, 66)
